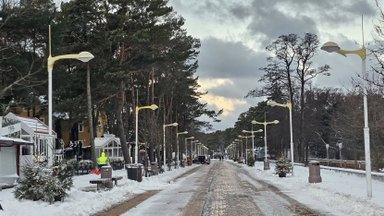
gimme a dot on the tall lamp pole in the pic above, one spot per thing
(253, 137)
(137, 109)
(178, 145)
(265, 123)
(186, 145)
(82, 56)
(164, 150)
(192, 142)
(246, 146)
(289, 106)
(334, 47)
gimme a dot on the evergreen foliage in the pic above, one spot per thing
(251, 161)
(38, 184)
(283, 166)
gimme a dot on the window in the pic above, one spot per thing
(81, 126)
(26, 150)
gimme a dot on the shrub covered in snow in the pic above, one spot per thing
(38, 184)
(251, 161)
(282, 167)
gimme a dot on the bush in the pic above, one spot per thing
(251, 161)
(283, 166)
(38, 184)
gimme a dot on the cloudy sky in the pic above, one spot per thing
(234, 35)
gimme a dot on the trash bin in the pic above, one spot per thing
(154, 168)
(134, 172)
(314, 172)
(106, 172)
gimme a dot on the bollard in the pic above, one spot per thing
(314, 172)
(266, 165)
(154, 168)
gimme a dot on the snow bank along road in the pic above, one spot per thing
(221, 188)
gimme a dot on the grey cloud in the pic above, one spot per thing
(272, 18)
(240, 11)
(228, 59)
(213, 8)
(280, 24)
(240, 87)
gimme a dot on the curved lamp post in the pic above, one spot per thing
(82, 56)
(362, 53)
(265, 123)
(164, 150)
(186, 144)
(246, 145)
(253, 138)
(178, 144)
(192, 142)
(137, 109)
(289, 106)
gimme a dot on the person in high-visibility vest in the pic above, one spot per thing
(102, 160)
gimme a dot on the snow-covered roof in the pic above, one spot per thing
(100, 142)
(34, 124)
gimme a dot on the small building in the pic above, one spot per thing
(32, 130)
(11, 153)
(111, 146)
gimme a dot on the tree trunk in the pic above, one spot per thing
(301, 142)
(120, 123)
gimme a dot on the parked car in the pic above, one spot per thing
(203, 159)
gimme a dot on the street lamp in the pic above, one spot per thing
(194, 141)
(186, 142)
(289, 106)
(265, 123)
(334, 47)
(82, 56)
(178, 147)
(246, 146)
(236, 141)
(137, 109)
(164, 150)
(253, 138)
(340, 145)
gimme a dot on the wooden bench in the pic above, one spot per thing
(102, 183)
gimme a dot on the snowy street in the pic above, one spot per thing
(221, 188)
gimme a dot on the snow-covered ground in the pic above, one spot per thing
(338, 194)
(81, 203)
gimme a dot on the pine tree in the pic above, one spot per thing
(38, 185)
(283, 167)
(31, 186)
